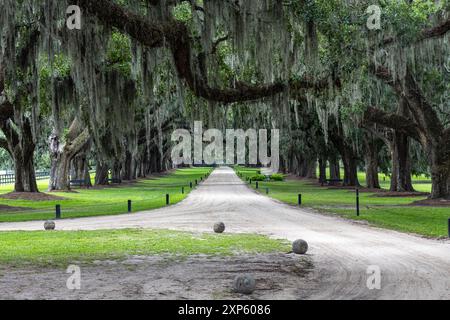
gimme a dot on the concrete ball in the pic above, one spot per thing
(244, 284)
(219, 227)
(300, 246)
(49, 225)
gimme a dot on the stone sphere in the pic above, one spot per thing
(49, 225)
(244, 284)
(219, 227)
(300, 246)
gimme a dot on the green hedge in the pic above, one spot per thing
(277, 177)
(258, 177)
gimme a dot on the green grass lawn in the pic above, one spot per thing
(389, 212)
(59, 247)
(145, 194)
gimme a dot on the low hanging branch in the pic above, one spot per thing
(218, 42)
(434, 32)
(175, 36)
(393, 121)
(426, 118)
(23, 56)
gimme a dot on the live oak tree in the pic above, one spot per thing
(340, 92)
(19, 107)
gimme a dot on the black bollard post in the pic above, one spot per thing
(167, 199)
(58, 211)
(299, 199)
(182, 190)
(449, 227)
(190, 184)
(196, 182)
(267, 190)
(357, 202)
(129, 206)
(250, 181)
(257, 185)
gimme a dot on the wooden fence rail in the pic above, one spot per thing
(10, 178)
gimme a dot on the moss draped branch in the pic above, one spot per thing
(434, 32)
(393, 121)
(175, 36)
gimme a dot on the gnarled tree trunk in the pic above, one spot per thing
(371, 157)
(349, 159)
(21, 148)
(335, 169)
(80, 166)
(322, 169)
(101, 173)
(62, 155)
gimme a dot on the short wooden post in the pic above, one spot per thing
(357, 202)
(58, 211)
(449, 227)
(129, 206)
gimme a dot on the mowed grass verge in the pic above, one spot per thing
(62, 247)
(395, 213)
(145, 194)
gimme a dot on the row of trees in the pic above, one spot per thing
(112, 92)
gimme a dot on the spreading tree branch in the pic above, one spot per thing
(393, 121)
(175, 36)
(426, 118)
(434, 32)
(218, 42)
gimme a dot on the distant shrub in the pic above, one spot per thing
(277, 177)
(258, 177)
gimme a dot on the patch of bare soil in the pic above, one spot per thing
(10, 209)
(295, 177)
(34, 196)
(432, 203)
(124, 183)
(157, 175)
(401, 194)
(278, 276)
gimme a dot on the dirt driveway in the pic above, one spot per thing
(341, 251)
